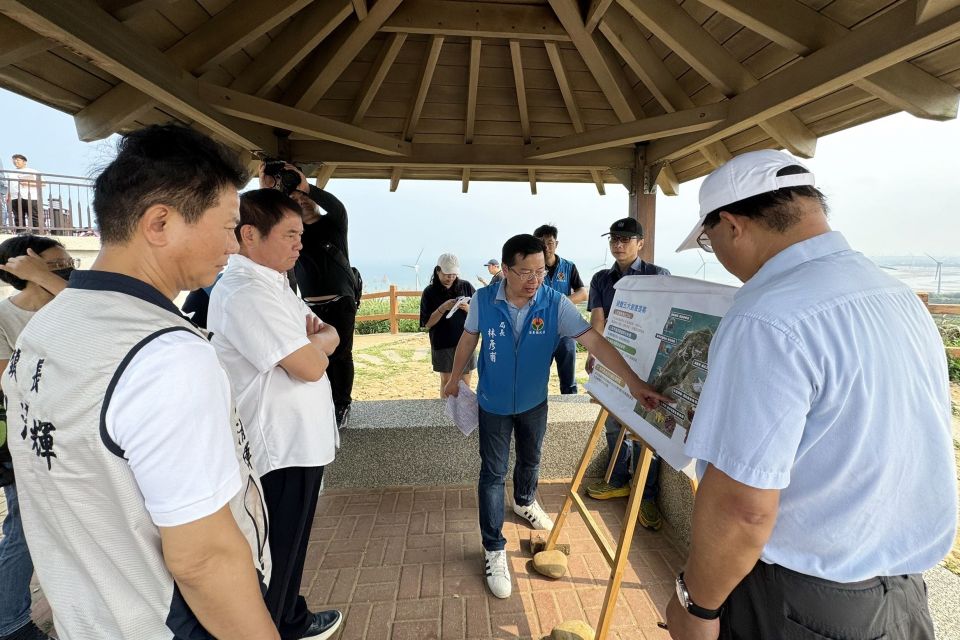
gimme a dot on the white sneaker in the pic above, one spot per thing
(536, 516)
(498, 574)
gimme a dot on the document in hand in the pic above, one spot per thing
(456, 306)
(662, 326)
(463, 410)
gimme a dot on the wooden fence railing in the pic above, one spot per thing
(394, 316)
(942, 309)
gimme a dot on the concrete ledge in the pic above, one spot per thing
(412, 442)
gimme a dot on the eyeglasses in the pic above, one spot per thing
(65, 263)
(551, 243)
(624, 240)
(528, 276)
(704, 242)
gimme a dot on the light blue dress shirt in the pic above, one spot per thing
(569, 321)
(828, 381)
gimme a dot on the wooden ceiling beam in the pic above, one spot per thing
(671, 24)
(670, 124)
(516, 61)
(476, 20)
(324, 174)
(667, 180)
(376, 75)
(596, 12)
(125, 9)
(360, 8)
(798, 28)
(465, 180)
(927, 9)
(280, 116)
(563, 81)
(19, 43)
(881, 43)
(532, 177)
(329, 62)
(92, 32)
(222, 35)
(294, 43)
(395, 179)
(473, 85)
(457, 156)
(430, 59)
(604, 73)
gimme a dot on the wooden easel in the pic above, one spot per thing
(617, 559)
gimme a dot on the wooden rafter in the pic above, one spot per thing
(281, 116)
(92, 32)
(360, 8)
(670, 124)
(126, 9)
(604, 73)
(19, 43)
(376, 75)
(595, 13)
(798, 28)
(214, 40)
(667, 180)
(326, 65)
(927, 9)
(516, 61)
(877, 45)
(560, 72)
(457, 156)
(476, 20)
(426, 77)
(678, 30)
(473, 84)
(324, 174)
(395, 179)
(294, 42)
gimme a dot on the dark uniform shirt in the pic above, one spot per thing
(446, 333)
(601, 286)
(318, 272)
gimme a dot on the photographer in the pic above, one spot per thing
(328, 284)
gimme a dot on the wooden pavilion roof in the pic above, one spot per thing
(532, 90)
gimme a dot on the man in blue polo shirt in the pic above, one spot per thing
(563, 276)
(626, 241)
(520, 324)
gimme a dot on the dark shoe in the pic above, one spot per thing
(649, 516)
(324, 625)
(29, 631)
(343, 416)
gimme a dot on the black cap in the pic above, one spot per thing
(626, 227)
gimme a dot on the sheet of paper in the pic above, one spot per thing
(662, 326)
(456, 307)
(463, 410)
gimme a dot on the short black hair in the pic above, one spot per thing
(264, 208)
(18, 155)
(17, 246)
(522, 245)
(162, 164)
(546, 230)
(777, 210)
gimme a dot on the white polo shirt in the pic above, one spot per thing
(257, 321)
(828, 381)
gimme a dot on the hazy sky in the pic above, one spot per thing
(893, 186)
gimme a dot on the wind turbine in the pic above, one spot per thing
(602, 265)
(939, 272)
(416, 268)
(703, 265)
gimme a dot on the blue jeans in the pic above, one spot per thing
(16, 569)
(566, 357)
(621, 470)
(528, 429)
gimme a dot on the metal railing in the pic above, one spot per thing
(46, 204)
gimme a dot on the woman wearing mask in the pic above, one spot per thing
(442, 294)
(38, 268)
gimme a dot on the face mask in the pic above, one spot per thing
(64, 273)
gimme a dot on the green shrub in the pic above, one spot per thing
(378, 306)
(953, 366)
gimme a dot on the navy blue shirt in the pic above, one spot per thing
(601, 286)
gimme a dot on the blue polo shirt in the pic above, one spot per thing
(602, 283)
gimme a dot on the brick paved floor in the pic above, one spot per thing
(406, 563)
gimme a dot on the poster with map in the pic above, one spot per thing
(662, 326)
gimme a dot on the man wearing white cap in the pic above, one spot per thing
(827, 387)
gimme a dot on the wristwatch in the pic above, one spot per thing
(693, 609)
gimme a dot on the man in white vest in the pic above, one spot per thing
(144, 518)
(276, 353)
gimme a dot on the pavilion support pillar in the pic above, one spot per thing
(643, 200)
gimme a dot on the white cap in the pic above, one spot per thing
(747, 175)
(449, 263)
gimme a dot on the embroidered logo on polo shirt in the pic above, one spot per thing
(536, 325)
(561, 276)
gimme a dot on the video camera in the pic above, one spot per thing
(285, 180)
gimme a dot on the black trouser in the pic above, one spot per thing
(291, 497)
(342, 314)
(776, 603)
